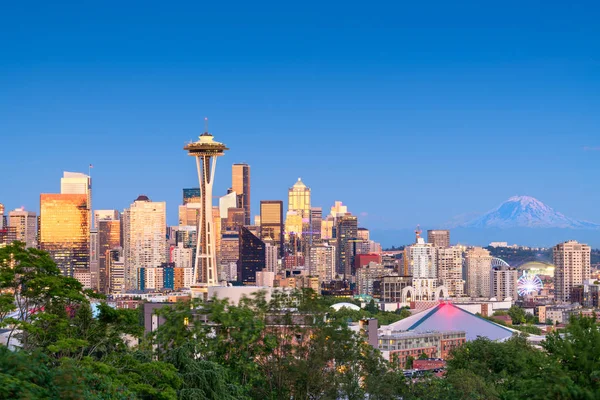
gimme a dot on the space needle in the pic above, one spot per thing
(206, 150)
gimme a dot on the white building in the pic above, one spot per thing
(421, 261)
(144, 238)
(226, 202)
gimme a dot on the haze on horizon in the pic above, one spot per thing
(406, 113)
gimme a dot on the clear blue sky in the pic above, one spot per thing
(410, 112)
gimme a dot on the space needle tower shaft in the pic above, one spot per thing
(206, 150)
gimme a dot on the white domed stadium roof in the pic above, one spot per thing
(349, 306)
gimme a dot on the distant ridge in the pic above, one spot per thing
(526, 212)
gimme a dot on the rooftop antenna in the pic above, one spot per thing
(418, 232)
(206, 124)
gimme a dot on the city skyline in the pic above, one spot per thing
(479, 115)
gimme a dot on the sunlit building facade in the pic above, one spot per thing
(109, 238)
(240, 183)
(25, 224)
(271, 222)
(573, 261)
(65, 230)
(144, 238)
(478, 264)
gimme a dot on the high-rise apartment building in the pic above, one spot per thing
(25, 224)
(252, 257)
(346, 231)
(421, 264)
(271, 256)
(572, 261)
(144, 238)
(240, 183)
(271, 222)
(438, 238)
(504, 282)
(322, 262)
(478, 264)
(450, 269)
(363, 234)
(65, 230)
(367, 275)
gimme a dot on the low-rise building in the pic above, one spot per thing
(397, 347)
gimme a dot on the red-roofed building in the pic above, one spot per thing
(360, 260)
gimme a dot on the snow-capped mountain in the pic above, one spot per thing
(526, 212)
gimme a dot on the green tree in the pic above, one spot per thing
(409, 362)
(517, 315)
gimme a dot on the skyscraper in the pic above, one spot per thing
(299, 198)
(449, 269)
(438, 238)
(240, 183)
(322, 262)
(77, 183)
(504, 282)
(421, 260)
(109, 238)
(25, 224)
(252, 257)
(478, 263)
(572, 261)
(2, 216)
(65, 230)
(206, 150)
(144, 238)
(271, 222)
(316, 220)
(346, 230)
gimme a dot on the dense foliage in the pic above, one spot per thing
(293, 346)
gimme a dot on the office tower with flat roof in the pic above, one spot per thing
(115, 267)
(191, 195)
(65, 230)
(206, 151)
(572, 261)
(346, 231)
(25, 224)
(271, 222)
(438, 238)
(240, 183)
(109, 237)
(144, 238)
(504, 282)
(316, 221)
(478, 265)
(230, 254)
(450, 269)
(252, 257)
(78, 183)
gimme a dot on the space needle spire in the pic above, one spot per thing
(206, 150)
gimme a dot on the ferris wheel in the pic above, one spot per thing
(529, 283)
